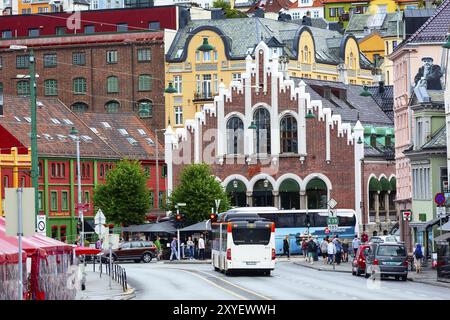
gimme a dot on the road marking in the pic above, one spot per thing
(235, 285)
(215, 285)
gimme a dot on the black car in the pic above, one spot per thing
(133, 250)
(387, 259)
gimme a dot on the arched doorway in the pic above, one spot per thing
(262, 193)
(236, 190)
(316, 194)
(289, 194)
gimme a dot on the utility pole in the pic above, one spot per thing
(79, 206)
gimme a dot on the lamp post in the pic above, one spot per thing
(266, 185)
(34, 153)
(178, 205)
(74, 132)
(235, 186)
(157, 164)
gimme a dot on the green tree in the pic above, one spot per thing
(198, 189)
(229, 13)
(124, 198)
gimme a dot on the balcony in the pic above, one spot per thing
(202, 97)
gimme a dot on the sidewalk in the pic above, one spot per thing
(186, 261)
(428, 275)
(98, 288)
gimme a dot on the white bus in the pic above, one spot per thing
(243, 241)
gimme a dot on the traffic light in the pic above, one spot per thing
(213, 217)
(179, 221)
(79, 226)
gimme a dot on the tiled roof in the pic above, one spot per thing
(55, 120)
(388, 28)
(49, 143)
(384, 99)
(270, 5)
(366, 108)
(435, 29)
(241, 36)
(316, 3)
(438, 140)
(315, 22)
(124, 126)
(379, 151)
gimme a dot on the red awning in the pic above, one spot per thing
(9, 254)
(36, 244)
(86, 250)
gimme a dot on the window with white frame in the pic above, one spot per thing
(216, 83)
(421, 182)
(177, 83)
(178, 115)
(422, 131)
(197, 56)
(316, 14)
(207, 56)
(237, 76)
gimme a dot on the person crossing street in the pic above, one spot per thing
(286, 247)
(174, 249)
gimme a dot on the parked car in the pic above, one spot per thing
(387, 259)
(359, 261)
(387, 238)
(133, 250)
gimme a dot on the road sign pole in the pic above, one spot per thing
(19, 234)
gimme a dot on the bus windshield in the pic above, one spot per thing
(251, 236)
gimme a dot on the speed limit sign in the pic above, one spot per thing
(41, 224)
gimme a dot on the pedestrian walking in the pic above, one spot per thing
(355, 244)
(201, 248)
(323, 249)
(364, 237)
(286, 247)
(174, 249)
(338, 246)
(190, 247)
(157, 243)
(345, 251)
(418, 255)
(331, 251)
(305, 249)
(312, 248)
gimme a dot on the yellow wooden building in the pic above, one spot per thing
(13, 165)
(303, 51)
(389, 6)
(32, 6)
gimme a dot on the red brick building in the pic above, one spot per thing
(105, 139)
(264, 145)
(116, 72)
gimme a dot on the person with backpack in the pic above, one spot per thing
(305, 249)
(418, 255)
(312, 248)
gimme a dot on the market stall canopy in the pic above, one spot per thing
(162, 227)
(199, 226)
(9, 254)
(39, 244)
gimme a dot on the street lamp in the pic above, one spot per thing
(74, 133)
(34, 153)
(235, 186)
(266, 185)
(178, 205)
(157, 164)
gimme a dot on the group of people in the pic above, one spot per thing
(190, 246)
(333, 250)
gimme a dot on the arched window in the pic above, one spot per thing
(235, 136)
(79, 107)
(288, 134)
(350, 61)
(83, 170)
(317, 193)
(23, 88)
(79, 86)
(112, 106)
(262, 137)
(145, 108)
(112, 84)
(306, 54)
(51, 87)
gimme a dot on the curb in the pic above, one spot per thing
(431, 283)
(130, 294)
(320, 269)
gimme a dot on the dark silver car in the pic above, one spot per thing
(387, 259)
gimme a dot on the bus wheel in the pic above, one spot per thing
(216, 269)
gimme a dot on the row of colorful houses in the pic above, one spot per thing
(105, 139)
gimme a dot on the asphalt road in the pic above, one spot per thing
(158, 281)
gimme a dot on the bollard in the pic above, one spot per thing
(93, 263)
